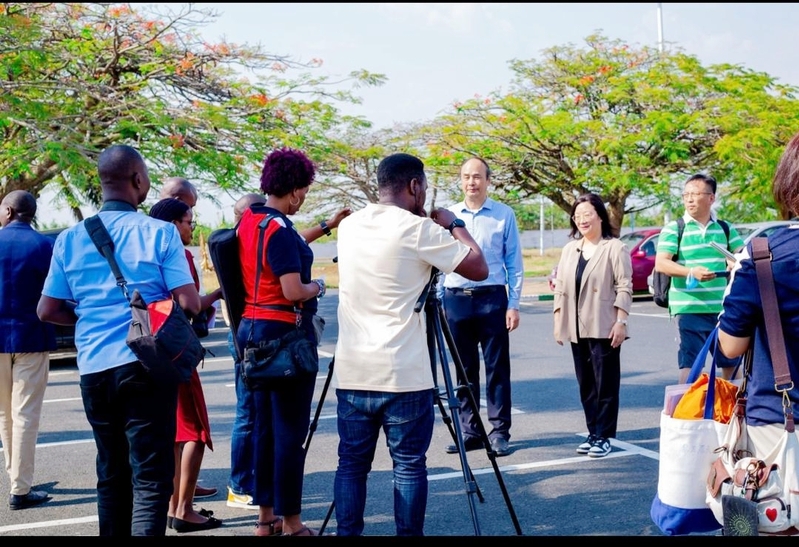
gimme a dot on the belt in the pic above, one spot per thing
(473, 291)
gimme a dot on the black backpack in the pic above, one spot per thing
(223, 247)
(661, 283)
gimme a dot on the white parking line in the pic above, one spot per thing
(48, 524)
(627, 450)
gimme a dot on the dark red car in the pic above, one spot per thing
(643, 247)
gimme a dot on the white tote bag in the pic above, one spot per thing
(687, 450)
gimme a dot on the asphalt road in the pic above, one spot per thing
(543, 488)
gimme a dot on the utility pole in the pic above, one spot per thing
(541, 225)
(666, 216)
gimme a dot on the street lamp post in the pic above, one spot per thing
(666, 216)
(541, 225)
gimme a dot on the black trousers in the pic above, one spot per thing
(477, 321)
(598, 370)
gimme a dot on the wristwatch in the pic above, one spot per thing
(322, 287)
(622, 321)
(457, 223)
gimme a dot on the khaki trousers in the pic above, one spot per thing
(23, 379)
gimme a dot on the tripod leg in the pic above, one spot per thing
(315, 421)
(455, 424)
(441, 322)
(327, 517)
(312, 428)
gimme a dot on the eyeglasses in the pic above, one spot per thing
(586, 216)
(695, 195)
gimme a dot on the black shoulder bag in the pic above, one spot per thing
(160, 334)
(291, 356)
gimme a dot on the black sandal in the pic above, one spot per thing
(304, 531)
(273, 529)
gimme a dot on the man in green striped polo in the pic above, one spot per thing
(696, 291)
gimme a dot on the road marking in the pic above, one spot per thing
(60, 443)
(628, 449)
(664, 315)
(48, 524)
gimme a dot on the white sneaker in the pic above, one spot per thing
(586, 445)
(600, 449)
(240, 501)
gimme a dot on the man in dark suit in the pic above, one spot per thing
(25, 343)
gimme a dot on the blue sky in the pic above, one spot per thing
(436, 54)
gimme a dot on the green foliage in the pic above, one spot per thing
(528, 217)
(629, 124)
(626, 122)
(79, 77)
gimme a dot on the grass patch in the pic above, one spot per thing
(535, 265)
(538, 265)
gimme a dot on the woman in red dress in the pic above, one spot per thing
(193, 429)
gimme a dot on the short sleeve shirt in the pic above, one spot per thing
(694, 250)
(743, 317)
(386, 256)
(284, 251)
(152, 259)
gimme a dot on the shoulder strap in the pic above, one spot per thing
(761, 255)
(680, 230)
(726, 227)
(258, 266)
(102, 240)
(260, 252)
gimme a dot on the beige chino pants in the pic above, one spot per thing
(23, 379)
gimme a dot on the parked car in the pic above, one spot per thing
(643, 245)
(748, 231)
(755, 229)
(64, 334)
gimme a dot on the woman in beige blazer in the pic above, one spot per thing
(593, 294)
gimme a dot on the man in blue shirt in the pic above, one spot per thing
(481, 315)
(133, 417)
(25, 343)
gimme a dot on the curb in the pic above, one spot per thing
(538, 297)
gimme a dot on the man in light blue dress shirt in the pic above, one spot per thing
(482, 315)
(132, 415)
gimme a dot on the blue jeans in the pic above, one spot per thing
(242, 451)
(282, 418)
(407, 421)
(693, 330)
(133, 419)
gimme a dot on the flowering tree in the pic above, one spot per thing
(78, 77)
(626, 123)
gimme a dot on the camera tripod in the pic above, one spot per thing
(438, 334)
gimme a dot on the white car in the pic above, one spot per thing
(755, 229)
